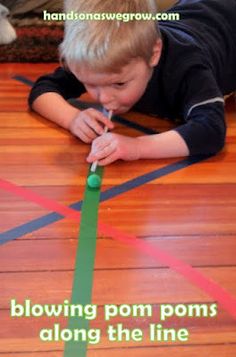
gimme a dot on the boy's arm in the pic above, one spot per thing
(203, 134)
(49, 93)
(60, 81)
(202, 105)
(48, 98)
(157, 146)
(110, 147)
(205, 129)
(54, 107)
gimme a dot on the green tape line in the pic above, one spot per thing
(84, 266)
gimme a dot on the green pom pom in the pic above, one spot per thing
(94, 181)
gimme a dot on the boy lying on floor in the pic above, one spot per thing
(175, 69)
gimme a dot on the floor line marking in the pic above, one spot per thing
(84, 266)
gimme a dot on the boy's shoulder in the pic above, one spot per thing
(206, 6)
(204, 37)
(205, 12)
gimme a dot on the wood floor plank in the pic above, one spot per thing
(41, 255)
(183, 351)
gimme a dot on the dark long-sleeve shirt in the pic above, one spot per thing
(196, 69)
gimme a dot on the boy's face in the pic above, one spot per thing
(117, 91)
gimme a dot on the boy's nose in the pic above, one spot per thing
(104, 96)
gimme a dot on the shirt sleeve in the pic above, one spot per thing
(203, 112)
(204, 132)
(61, 81)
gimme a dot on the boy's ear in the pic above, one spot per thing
(156, 53)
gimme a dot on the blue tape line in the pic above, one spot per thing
(24, 80)
(141, 180)
(45, 220)
(29, 227)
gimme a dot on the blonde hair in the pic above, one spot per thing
(108, 45)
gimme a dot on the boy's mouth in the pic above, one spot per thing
(119, 110)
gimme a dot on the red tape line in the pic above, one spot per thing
(194, 276)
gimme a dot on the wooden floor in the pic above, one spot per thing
(189, 214)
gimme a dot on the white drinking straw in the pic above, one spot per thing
(95, 163)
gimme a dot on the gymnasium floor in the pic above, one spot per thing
(166, 234)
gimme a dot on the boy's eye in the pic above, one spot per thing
(120, 84)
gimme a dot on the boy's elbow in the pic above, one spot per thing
(220, 145)
(31, 98)
(30, 103)
(214, 140)
(203, 139)
(206, 131)
(218, 138)
(216, 148)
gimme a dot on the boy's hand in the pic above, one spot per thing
(88, 124)
(110, 147)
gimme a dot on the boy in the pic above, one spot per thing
(175, 69)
